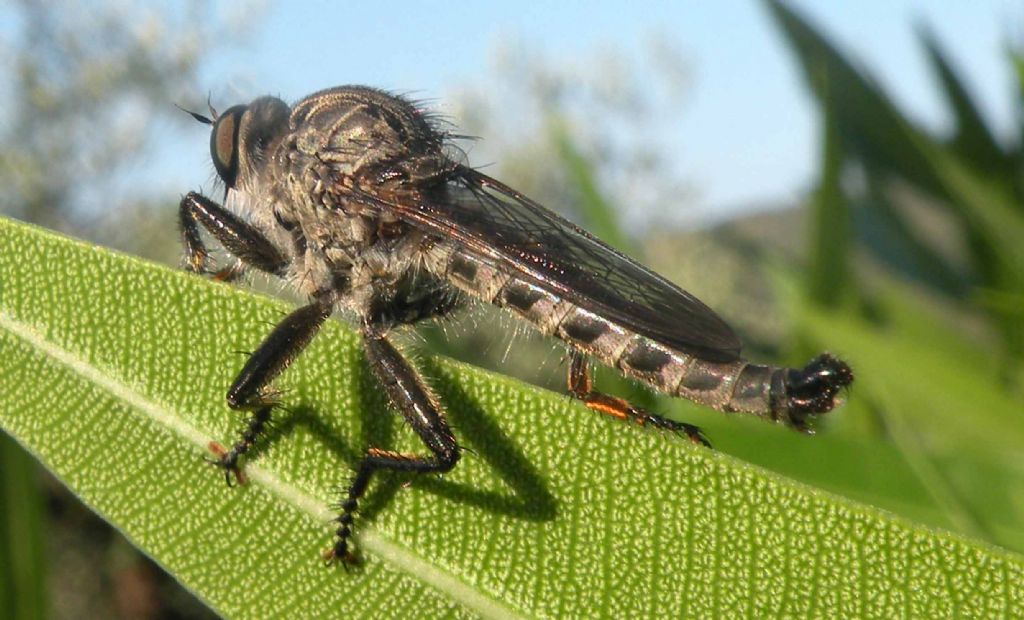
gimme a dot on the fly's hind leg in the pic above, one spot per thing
(250, 391)
(581, 387)
(413, 399)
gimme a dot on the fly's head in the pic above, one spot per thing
(243, 140)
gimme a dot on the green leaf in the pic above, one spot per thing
(870, 123)
(22, 558)
(973, 142)
(830, 235)
(114, 373)
(1016, 58)
(983, 204)
(896, 240)
(876, 130)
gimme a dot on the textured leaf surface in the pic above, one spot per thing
(114, 372)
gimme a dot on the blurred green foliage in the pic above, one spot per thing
(896, 183)
(916, 245)
(23, 592)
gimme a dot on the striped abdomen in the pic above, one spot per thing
(776, 393)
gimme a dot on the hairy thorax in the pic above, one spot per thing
(367, 260)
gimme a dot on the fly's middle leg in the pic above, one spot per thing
(581, 387)
(406, 392)
(250, 391)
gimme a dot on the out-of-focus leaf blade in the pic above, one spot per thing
(973, 142)
(830, 234)
(871, 125)
(1017, 62)
(987, 212)
(986, 207)
(882, 228)
(23, 592)
(1010, 304)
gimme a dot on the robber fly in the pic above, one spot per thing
(353, 196)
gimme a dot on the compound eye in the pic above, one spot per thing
(224, 144)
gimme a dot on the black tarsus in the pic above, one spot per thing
(406, 392)
(226, 459)
(239, 238)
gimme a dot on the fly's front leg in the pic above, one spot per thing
(580, 387)
(250, 392)
(239, 238)
(407, 393)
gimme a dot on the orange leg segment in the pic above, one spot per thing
(581, 387)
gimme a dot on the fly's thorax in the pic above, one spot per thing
(361, 137)
(369, 263)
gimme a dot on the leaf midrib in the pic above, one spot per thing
(368, 537)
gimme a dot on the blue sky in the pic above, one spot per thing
(747, 132)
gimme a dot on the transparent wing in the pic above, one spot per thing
(493, 221)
